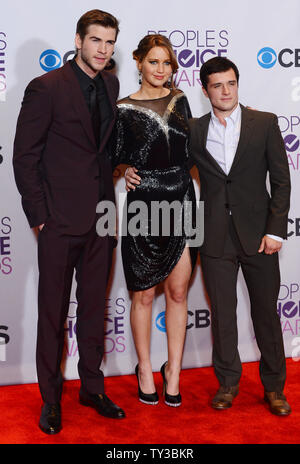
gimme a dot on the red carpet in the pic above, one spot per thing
(195, 422)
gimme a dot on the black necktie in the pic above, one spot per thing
(95, 112)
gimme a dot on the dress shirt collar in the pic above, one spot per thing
(234, 116)
(84, 79)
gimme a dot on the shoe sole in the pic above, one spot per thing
(221, 408)
(148, 402)
(173, 405)
(280, 413)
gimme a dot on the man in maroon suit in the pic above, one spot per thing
(62, 172)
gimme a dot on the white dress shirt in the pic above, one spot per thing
(222, 142)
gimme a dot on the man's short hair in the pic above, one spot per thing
(96, 17)
(216, 65)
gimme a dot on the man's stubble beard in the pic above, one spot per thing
(86, 61)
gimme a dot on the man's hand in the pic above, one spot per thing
(131, 178)
(269, 245)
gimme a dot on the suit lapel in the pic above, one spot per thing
(246, 131)
(204, 131)
(78, 101)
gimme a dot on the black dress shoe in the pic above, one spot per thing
(224, 397)
(50, 420)
(278, 403)
(147, 398)
(102, 404)
(170, 400)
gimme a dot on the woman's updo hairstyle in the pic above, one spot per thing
(155, 40)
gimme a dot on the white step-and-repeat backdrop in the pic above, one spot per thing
(262, 38)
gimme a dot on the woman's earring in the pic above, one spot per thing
(140, 77)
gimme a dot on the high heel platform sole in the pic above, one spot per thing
(148, 402)
(173, 405)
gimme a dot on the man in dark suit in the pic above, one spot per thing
(234, 149)
(62, 172)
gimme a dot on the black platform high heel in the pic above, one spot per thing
(147, 398)
(170, 400)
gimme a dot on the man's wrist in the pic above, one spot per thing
(275, 237)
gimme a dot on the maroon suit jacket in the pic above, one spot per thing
(56, 160)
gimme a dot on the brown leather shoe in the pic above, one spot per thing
(224, 397)
(278, 403)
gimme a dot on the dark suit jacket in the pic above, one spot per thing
(56, 161)
(243, 191)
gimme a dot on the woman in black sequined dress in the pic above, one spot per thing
(152, 136)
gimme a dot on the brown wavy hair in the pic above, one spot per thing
(156, 40)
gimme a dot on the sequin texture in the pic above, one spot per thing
(152, 135)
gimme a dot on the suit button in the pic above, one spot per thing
(228, 181)
(227, 205)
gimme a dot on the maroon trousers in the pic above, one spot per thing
(58, 256)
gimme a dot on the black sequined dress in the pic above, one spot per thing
(152, 135)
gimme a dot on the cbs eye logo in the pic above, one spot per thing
(287, 57)
(49, 60)
(160, 321)
(266, 57)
